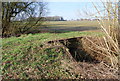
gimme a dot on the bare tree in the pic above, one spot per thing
(14, 15)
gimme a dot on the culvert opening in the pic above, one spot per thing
(77, 50)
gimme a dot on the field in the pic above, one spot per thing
(68, 26)
(47, 55)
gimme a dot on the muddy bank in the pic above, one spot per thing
(88, 63)
(82, 50)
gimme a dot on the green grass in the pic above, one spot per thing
(74, 23)
(68, 26)
(23, 57)
(49, 36)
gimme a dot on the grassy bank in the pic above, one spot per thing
(23, 57)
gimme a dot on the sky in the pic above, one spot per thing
(78, 0)
(74, 9)
(58, 0)
(70, 10)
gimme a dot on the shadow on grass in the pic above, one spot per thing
(67, 29)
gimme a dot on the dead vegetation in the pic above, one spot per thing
(109, 46)
(86, 61)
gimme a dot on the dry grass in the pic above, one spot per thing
(109, 46)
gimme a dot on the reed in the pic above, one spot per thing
(109, 46)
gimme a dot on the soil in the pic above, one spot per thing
(87, 64)
(87, 70)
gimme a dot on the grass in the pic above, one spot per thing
(67, 26)
(23, 57)
(74, 23)
(49, 36)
